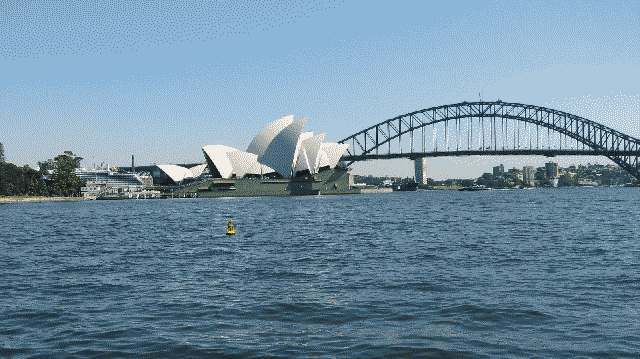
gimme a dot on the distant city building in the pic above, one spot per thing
(498, 170)
(515, 174)
(420, 170)
(551, 170)
(551, 175)
(529, 175)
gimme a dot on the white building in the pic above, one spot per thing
(420, 166)
(281, 149)
(169, 175)
(103, 181)
(528, 175)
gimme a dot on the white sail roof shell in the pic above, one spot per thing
(217, 154)
(304, 136)
(301, 159)
(247, 163)
(330, 154)
(281, 153)
(310, 152)
(262, 140)
(198, 170)
(302, 163)
(176, 173)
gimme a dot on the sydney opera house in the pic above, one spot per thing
(282, 159)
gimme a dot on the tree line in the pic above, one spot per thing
(54, 177)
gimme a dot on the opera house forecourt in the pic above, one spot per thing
(282, 159)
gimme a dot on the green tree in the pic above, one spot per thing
(24, 180)
(467, 182)
(64, 179)
(34, 182)
(17, 181)
(567, 180)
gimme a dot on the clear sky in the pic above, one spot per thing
(106, 79)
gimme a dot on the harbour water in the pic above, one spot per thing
(546, 272)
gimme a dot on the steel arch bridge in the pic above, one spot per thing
(491, 128)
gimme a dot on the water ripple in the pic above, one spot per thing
(428, 274)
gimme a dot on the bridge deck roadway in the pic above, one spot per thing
(527, 152)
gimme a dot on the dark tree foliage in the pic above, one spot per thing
(566, 181)
(65, 181)
(45, 167)
(16, 181)
(1, 153)
(55, 177)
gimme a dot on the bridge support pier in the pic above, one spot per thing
(420, 167)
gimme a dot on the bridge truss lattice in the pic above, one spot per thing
(492, 128)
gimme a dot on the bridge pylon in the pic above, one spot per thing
(420, 167)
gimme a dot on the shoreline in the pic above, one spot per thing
(35, 199)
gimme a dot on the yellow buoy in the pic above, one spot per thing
(231, 228)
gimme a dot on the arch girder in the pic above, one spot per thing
(600, 138)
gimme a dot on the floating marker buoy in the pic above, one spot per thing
(231, 228)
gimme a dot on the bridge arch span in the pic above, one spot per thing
(501, 128)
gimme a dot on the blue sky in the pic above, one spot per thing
(161, 79)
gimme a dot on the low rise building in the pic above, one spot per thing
(529, 176)
(498, 170)
(102, 182)
(420, 171)
(551, 170)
